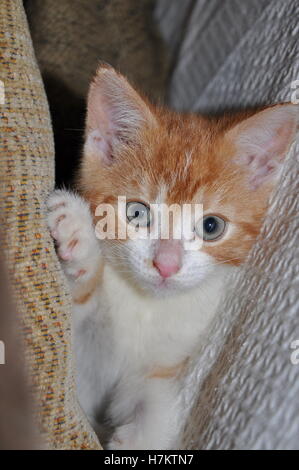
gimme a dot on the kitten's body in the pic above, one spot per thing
(130, 345)
(140, 341)
(142, 307)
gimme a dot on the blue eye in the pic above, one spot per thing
(211, 227)
(139, 214)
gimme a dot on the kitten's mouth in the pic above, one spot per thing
(163, 286)
(162, 283)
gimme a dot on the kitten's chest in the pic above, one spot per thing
(164, 330)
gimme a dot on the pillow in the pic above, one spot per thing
(27, 177)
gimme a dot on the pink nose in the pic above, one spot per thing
(168, 258)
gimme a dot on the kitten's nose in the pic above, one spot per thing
(168, 258)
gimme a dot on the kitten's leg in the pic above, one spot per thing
(71, 226)
(155, 418)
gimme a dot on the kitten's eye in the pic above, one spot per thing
(139, 214)
(211, 227)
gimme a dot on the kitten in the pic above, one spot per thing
(141, 307)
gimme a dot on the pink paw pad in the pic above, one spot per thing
(80, 273)
(66, 254)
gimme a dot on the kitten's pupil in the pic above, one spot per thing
(212, 228)
(139, 214)
(210, 225)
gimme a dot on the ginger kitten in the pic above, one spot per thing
(142, 306)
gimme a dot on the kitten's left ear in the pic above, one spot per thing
(116, 114)
(263, 140)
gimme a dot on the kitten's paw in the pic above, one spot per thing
(70, 224)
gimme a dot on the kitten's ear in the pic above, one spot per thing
(115, 115)
(263, 140)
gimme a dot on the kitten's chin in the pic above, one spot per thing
(160, 289)
(163, 287)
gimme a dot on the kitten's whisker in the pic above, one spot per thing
(221, 262)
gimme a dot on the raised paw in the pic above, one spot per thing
(70, 224)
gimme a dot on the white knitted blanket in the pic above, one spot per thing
(244, 390)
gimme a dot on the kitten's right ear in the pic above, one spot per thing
(262, 142)
(116, 114)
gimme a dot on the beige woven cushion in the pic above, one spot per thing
(27, 176)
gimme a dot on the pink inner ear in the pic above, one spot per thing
(99, 146)
(262, 141)
(265, 162)
(263, 168)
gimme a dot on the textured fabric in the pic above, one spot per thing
(243, 392)
(27, 176)
(236, 54)
(173, 24)
(70, 39)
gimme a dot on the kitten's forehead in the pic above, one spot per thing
(183, 162)
(182, 177)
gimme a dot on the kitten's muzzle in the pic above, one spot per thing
(168, 258)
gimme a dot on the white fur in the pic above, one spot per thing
(132, 325)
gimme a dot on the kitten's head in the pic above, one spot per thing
(151, 156)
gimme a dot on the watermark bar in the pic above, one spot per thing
(2, 92)
(295, 354)
(138, 221)
(2, 353)
(295, 93)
